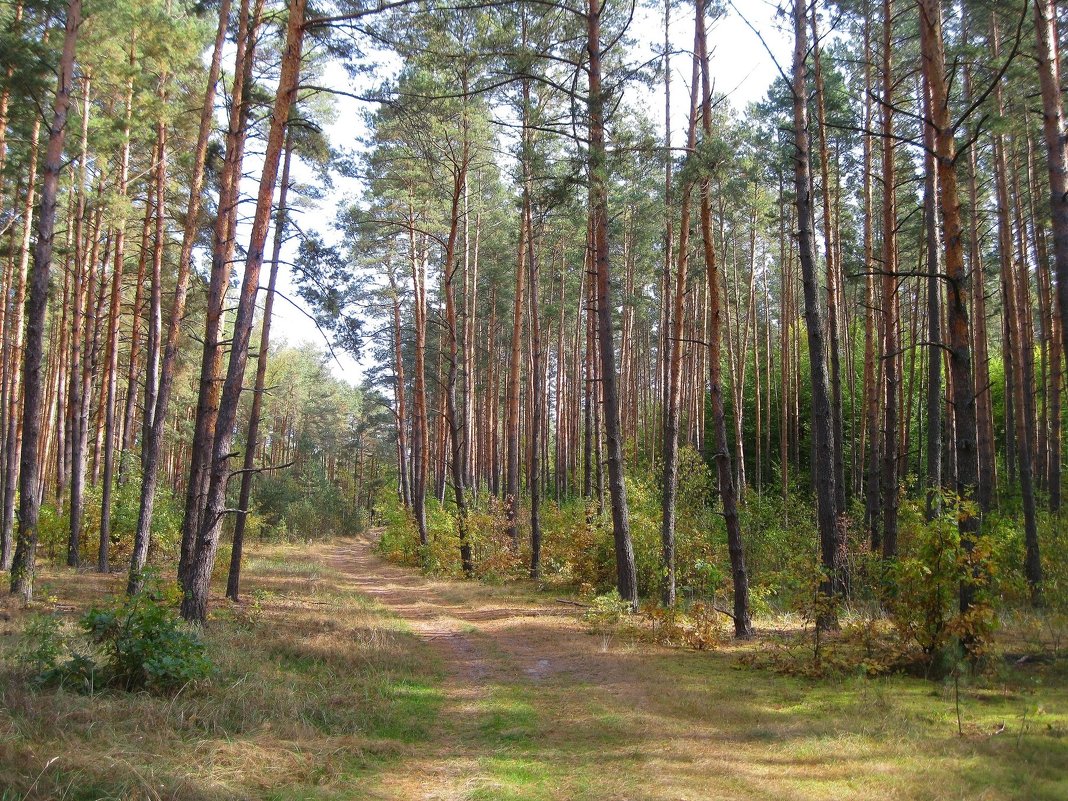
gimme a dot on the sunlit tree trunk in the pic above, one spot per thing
(13, 347)
(224, 243)
(959, 344)
(452, 412)
(1053, 127)
(22, 568)
(420, 431)
(933, 473)
(512, 390)
(198, 579)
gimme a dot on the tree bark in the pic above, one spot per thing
(626, 577)
(537, 399)
(22, 568)
(833, 277)
(832, 540)
(933, 473)
(452, 413)
(222, 254)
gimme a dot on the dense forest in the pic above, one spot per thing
(842, 303)
(784, 376)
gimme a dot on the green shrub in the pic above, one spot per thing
(606, 612)
(132, 643)
(42, 643)
(922, 589)
(399, 541)
(145, 644)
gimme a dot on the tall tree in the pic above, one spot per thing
(198, 578)
(626, 575)
(743, 626)
(891, 356)
(832, 540)
(675, 305)
(22, 568)
(958, 342)
(1053, 128)
(233, 580)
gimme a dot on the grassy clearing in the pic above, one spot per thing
(317, 689)
(324, 694)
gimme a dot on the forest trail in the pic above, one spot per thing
(533, 707)
(520, 675)
(480, 632)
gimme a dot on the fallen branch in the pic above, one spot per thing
(574, 603)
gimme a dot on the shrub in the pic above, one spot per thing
(606, 612)
(700, 628)
(133, 643)
(42, 643)
(145, 644)
(494, 557)
(922, 590)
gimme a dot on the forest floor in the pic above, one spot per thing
(343, 676)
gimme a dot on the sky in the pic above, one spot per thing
(741, 67)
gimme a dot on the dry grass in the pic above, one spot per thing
(316, 689)
(346, 677)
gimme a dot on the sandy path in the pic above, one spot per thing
(481, 632)
(537, 709)
(486, 639)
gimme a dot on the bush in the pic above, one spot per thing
(606, 612)
(145, 644)
(399, 541)
(133, 643)
(922, 590)
(701, 627)
(42, 643)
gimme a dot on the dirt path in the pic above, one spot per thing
(499, 650)
(534, 708)
(483, 633)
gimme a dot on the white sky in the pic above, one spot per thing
(741, 67)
